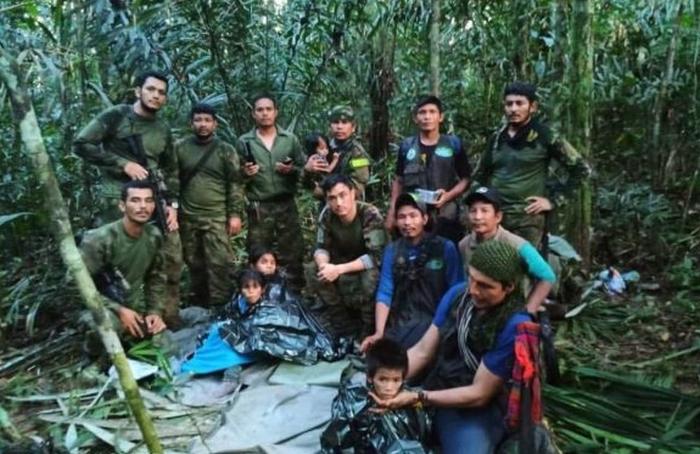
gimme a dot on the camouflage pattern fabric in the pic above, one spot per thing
(354, 162)
(518, 167)
(102, 143)
(347, 304)
(276, 225)
(173, 263)
(210, 259)
(349, 301)
(528, 226)
(139, 260)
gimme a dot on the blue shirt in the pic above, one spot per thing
(499, 359)
(454, 272)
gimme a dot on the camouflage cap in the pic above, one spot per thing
(341, 112)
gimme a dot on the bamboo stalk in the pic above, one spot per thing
(41, 165)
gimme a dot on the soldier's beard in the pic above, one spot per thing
(146, 108)
(204, 137)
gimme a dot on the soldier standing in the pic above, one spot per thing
(210, 207)
(346, 155)
(129, 142)
(516, 164)
(272, 162)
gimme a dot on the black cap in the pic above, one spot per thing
(484, 194)
(409, 199)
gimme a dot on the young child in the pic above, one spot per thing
(387, 365)
(354, 423)
(252, 285)
(316, 145)
(215, 354)
(264, 260)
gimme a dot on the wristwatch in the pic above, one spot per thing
(422, 397)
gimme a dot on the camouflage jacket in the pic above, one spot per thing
(102, 143)
(353, 161)
(518, 166)
(363, 238)
(139, 260)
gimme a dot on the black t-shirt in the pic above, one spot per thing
(462, 166)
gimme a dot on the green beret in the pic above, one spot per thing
(498, 260)
(341, 113)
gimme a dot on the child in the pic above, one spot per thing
(264, 260)
(252, 285)
(316, 145)
(215, 354)
(387, 365)
(354, 424)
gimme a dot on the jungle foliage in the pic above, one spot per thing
(619, 78)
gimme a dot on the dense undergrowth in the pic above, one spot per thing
(629, 363)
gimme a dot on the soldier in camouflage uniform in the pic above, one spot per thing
(516, 163)
(103, 143)
(210, 207)
(347, 156)
(272, 162)
(130, 251)
(349, 245)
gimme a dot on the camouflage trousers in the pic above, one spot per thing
(530, 227)
(346, 305)
(276, 225)
(172, 252)
(207, 251)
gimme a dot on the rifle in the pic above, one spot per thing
(111, 283)
(155, 178)
(249, 158)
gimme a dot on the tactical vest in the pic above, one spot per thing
(418, 284)
(438, 172)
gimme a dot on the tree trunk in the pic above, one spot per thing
(521, 59)
(435, 48)
(580, 117)
(555, 62)
(659, 164)
(381, 88)
(41, 164)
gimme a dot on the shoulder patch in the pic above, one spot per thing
(411, 154)
(358, 163)
(532, 136)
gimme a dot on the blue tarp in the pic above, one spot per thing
(215, 355)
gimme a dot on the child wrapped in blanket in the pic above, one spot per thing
(357, 426)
